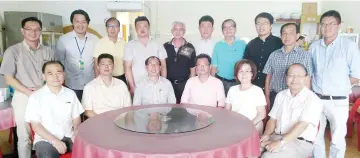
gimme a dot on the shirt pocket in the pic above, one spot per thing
(296, 113)
(63, 113)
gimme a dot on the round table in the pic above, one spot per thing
(7, 119)
(231, 135)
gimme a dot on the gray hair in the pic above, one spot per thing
(178, 23)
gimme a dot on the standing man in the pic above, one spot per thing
(75, 50)
(226, 53)
(138, 50)
(281, 59)
(54, 114)
(181, 59)
(259, 49)
(21, 68)
(336, 68)
(112, 45)
(205, 45)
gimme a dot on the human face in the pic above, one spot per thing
(178, 31)
(202, 67)
(263, 26)
(80, 24)
(206, 29)
(106, 67)
(113, 28)
(54, 75)
(153, 68)
(142, 28)
(289, 35)
(329, 27)
(296, 78)
(244, 74)
(31, 31)
(229, 29)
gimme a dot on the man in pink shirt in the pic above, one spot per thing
(204, 89)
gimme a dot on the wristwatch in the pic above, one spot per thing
(282, 142)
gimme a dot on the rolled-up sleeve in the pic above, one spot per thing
(8, 65)
(268, 65)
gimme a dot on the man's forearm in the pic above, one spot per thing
(42, 132)
(129, 77)
(13, 82)
(96, 71)
(213, 71)
(163, 68)
(76, 123)
(270, 127)
(192, 72)
(267, 86)
(295, 132)
(90, 113)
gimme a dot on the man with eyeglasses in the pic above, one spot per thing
(181, 59)
(336, 63)
(21, 67)
(282, 58)
(294, 119)
(113, 45)
(75, 51)
(204, 89)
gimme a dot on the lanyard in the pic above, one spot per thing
(82, 50)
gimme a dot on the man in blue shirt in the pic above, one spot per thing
(336, 68)
(226, 53)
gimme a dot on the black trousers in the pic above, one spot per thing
(44, 149)
(179, 86)
(272, 99)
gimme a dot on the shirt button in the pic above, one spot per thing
(262, 49)
(261, 57)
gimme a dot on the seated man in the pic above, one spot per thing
(204, 89)
(105, 93)
(154, 89)
(54, 113)
(292, 128)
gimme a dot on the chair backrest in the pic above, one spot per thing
(355, 94)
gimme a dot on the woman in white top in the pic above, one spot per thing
(247, 99)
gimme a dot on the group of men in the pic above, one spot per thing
(303, 89)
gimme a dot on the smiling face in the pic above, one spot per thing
(54, 75)
(263, 26)
(31, 31)
(296, 77)
(106, 67)
(178, 31)
(289, 35)
(153, 67)
(142, 29)
(244, 74)
(80, 24)
(229, 29)
(202, 66)
(113, 28)
(329, 27)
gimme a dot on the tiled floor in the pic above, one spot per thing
(351, 151)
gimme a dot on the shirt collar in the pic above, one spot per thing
(172, 42)
(47, 89)
(266, 39)
(149, 81)
(107, 38)
(102, 83)
(322, 42)
(74, 34)
(223, 40)
(301, 93)
(28, 47)
(295, 49)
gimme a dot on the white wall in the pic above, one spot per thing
(96, 9)
(243, 12)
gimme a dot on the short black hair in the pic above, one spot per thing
(152, 57)
(52, 62)
(206, 18)
(301, 65)
(105, 56)
(142, 18)
(201, 56)
(24, 21)
(111, 19)
(82, 12)
(289, 24)
(332, 13)
(227, 20)
(266, 16)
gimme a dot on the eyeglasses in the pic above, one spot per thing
(262, 24)
(332, 24)
(31, 30)
(245, 72)
(113, 26)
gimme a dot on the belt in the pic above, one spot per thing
(308, 141)
(178, 81)
(326, 97)
(221, 78)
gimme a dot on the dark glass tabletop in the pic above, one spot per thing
(164, 120)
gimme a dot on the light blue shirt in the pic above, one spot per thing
(333, 65)
(225, 56)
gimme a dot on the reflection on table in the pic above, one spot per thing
(164, 120)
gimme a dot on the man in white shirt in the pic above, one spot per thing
(154, 89)
(75, 50)
(105, 93)
(54, 113)
(205, 45)
(292, 128)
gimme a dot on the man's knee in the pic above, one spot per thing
(45, 150)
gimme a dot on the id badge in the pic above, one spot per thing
(81, 65)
